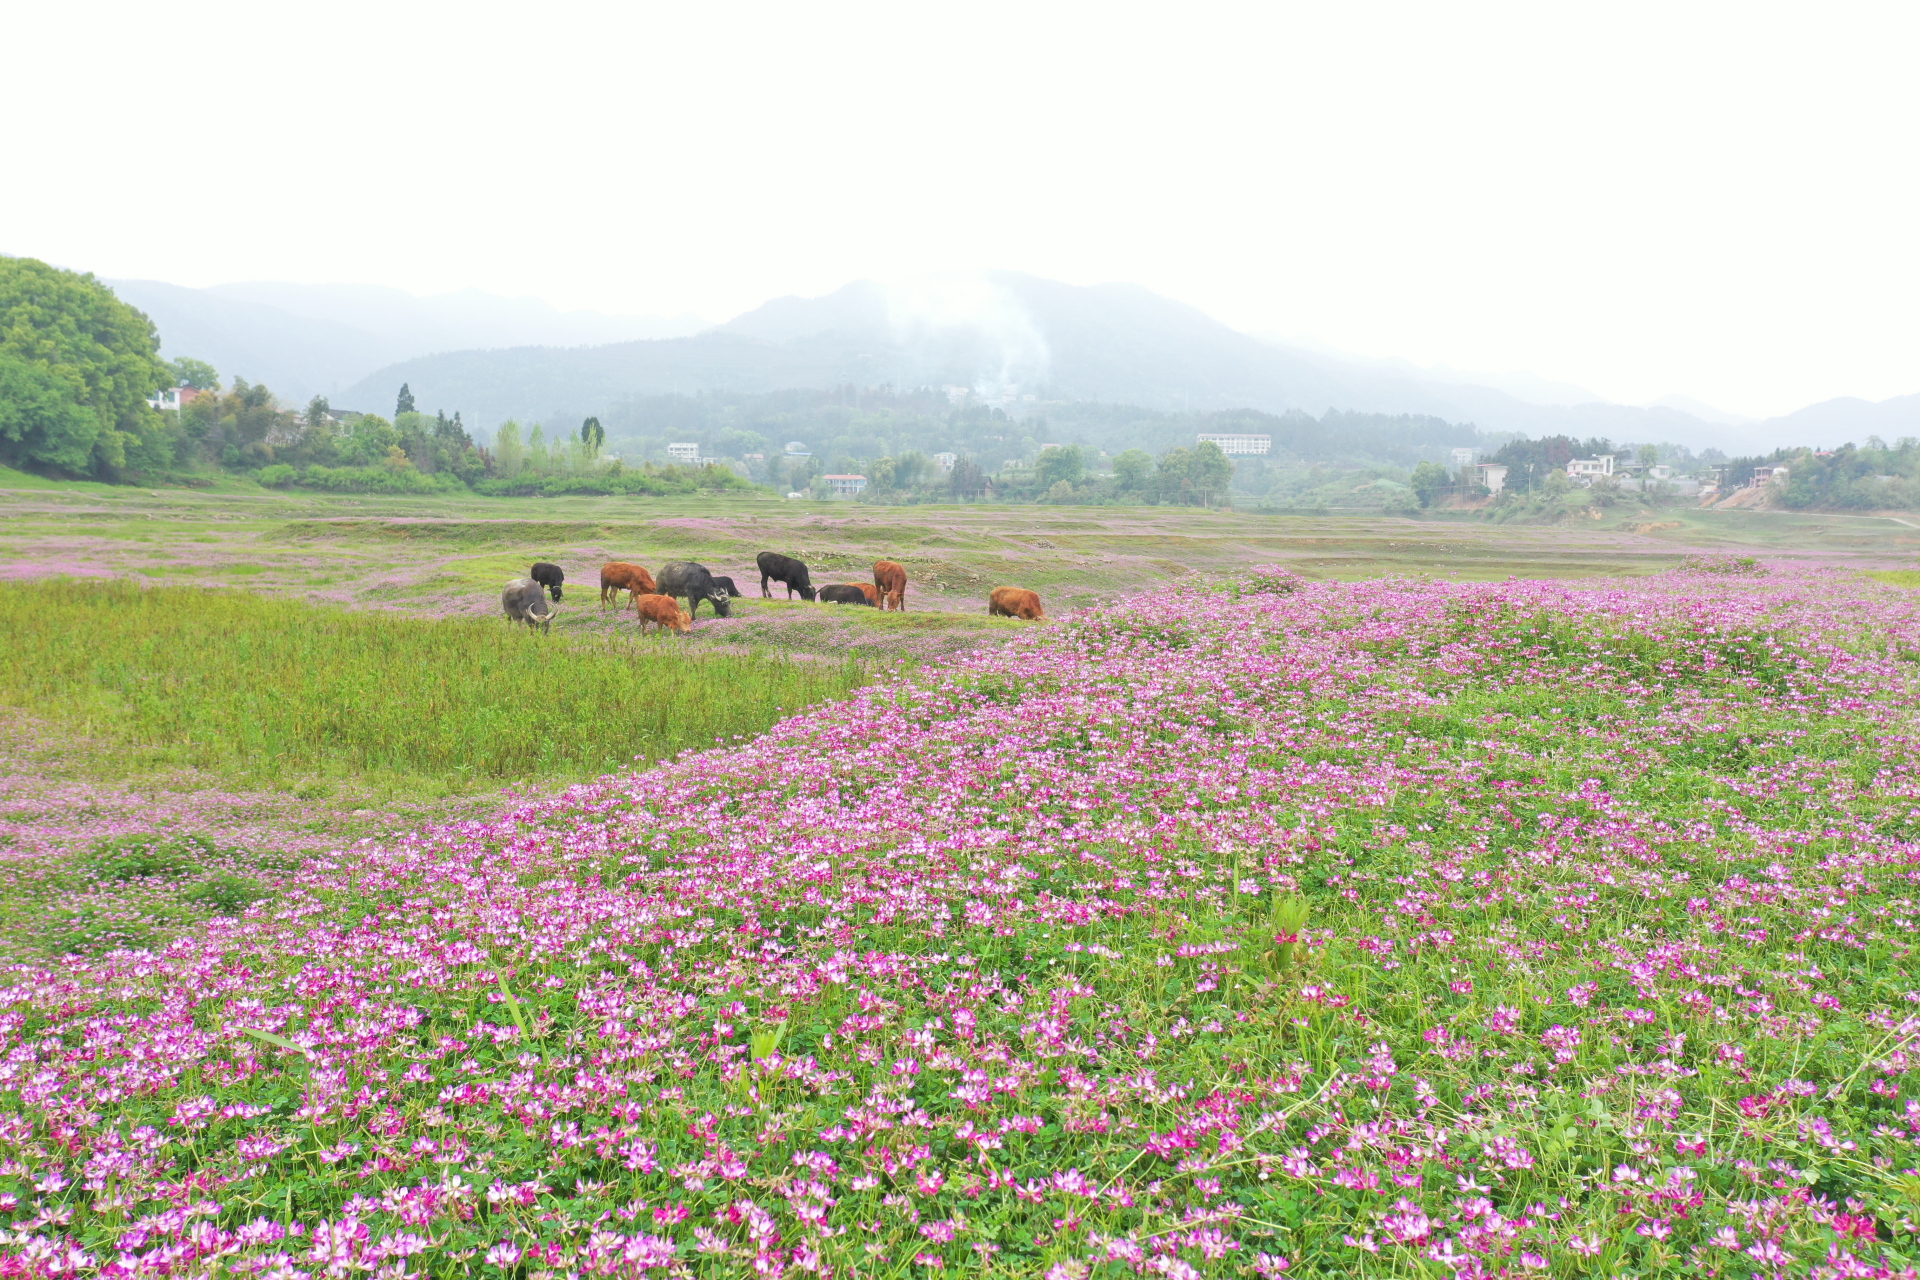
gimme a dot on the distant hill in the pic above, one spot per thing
(302, 340)
(999, 333)
(1844, 420)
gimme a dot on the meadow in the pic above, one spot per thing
(1237, 923)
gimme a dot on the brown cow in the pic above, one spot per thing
(892, 581)
(1015, 602)
(662, 611)
(872, 593)
(617, 576)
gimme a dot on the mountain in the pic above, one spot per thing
(1835, 422)
(302, 340)
(1000, 334)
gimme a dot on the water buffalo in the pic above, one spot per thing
(892, 581)
(617, 576)
(661, 611)
(691, 582)
(732, 590)
(525, 601)
(784, 569)
(549, 576)
(846, 593)
(1015, 602)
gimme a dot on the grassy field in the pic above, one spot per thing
(447, 557)
(268, 690)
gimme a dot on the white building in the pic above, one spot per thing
(1769, 475)
(1590, 468)
(845, 486)
(1232, 442)
(168, 399)
(1491, 474)
(945, 462)
(1463, 458)
(956, 394)
(797, 449)
(686, 454)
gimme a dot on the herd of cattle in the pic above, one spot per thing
(656, 600)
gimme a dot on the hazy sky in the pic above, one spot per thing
(1718, 200)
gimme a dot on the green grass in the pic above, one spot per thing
(269, 689)
(1896, 577)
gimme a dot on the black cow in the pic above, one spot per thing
(784, 569)
(691, 582)
(844, 593)
(727, 583)
(548, 576)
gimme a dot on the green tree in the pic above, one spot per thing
(76, 368)
(405, 402)
(1211, 472)
(967, 480)
(537, 460)
(507, 453)
(1173, 476)
(1059, 464)
(1428, 480)
(198, 374)
(1649, 454)
(592, 435)
(1133, 468)
(318, 412)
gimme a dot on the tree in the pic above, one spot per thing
(1649, 454)
(197, 374)
(1059, 465)
(318, 411)
(1132, 468)
(967, 480)
(592, 435)
(1429, 478)
(1211, 472)
(506, 449)
(77, 365)
(405, 403)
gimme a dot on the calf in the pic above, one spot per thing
(549, 576)
(784, 569)
(661, 611)
(732, 590)
(892, 581)
(1015, 602)
(872, 593)
(617, 576)
(691, 582)
(524, 601)
(846, 593)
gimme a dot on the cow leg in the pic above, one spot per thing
(765, 594)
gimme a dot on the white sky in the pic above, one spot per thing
(1714, 199)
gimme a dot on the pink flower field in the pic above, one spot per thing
(1236, 929)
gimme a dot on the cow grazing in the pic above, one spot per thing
(617, 576)
(892, 581)
(727, 583)
(784, 569)
(662, 611)
(1015, 602)
(846, 593)
(691, 582)
(525, 601)
(549, 576)
(873, 595)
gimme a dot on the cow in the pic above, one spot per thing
(786, 570)
(873, 595)
(846, 593)
(525, 601)
(732, 590)
(662, 611)
(549, 576)
(1015, 602)
(892, 581)
(617, 576)
(691, 582)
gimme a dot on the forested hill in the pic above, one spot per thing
(1002, 333)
